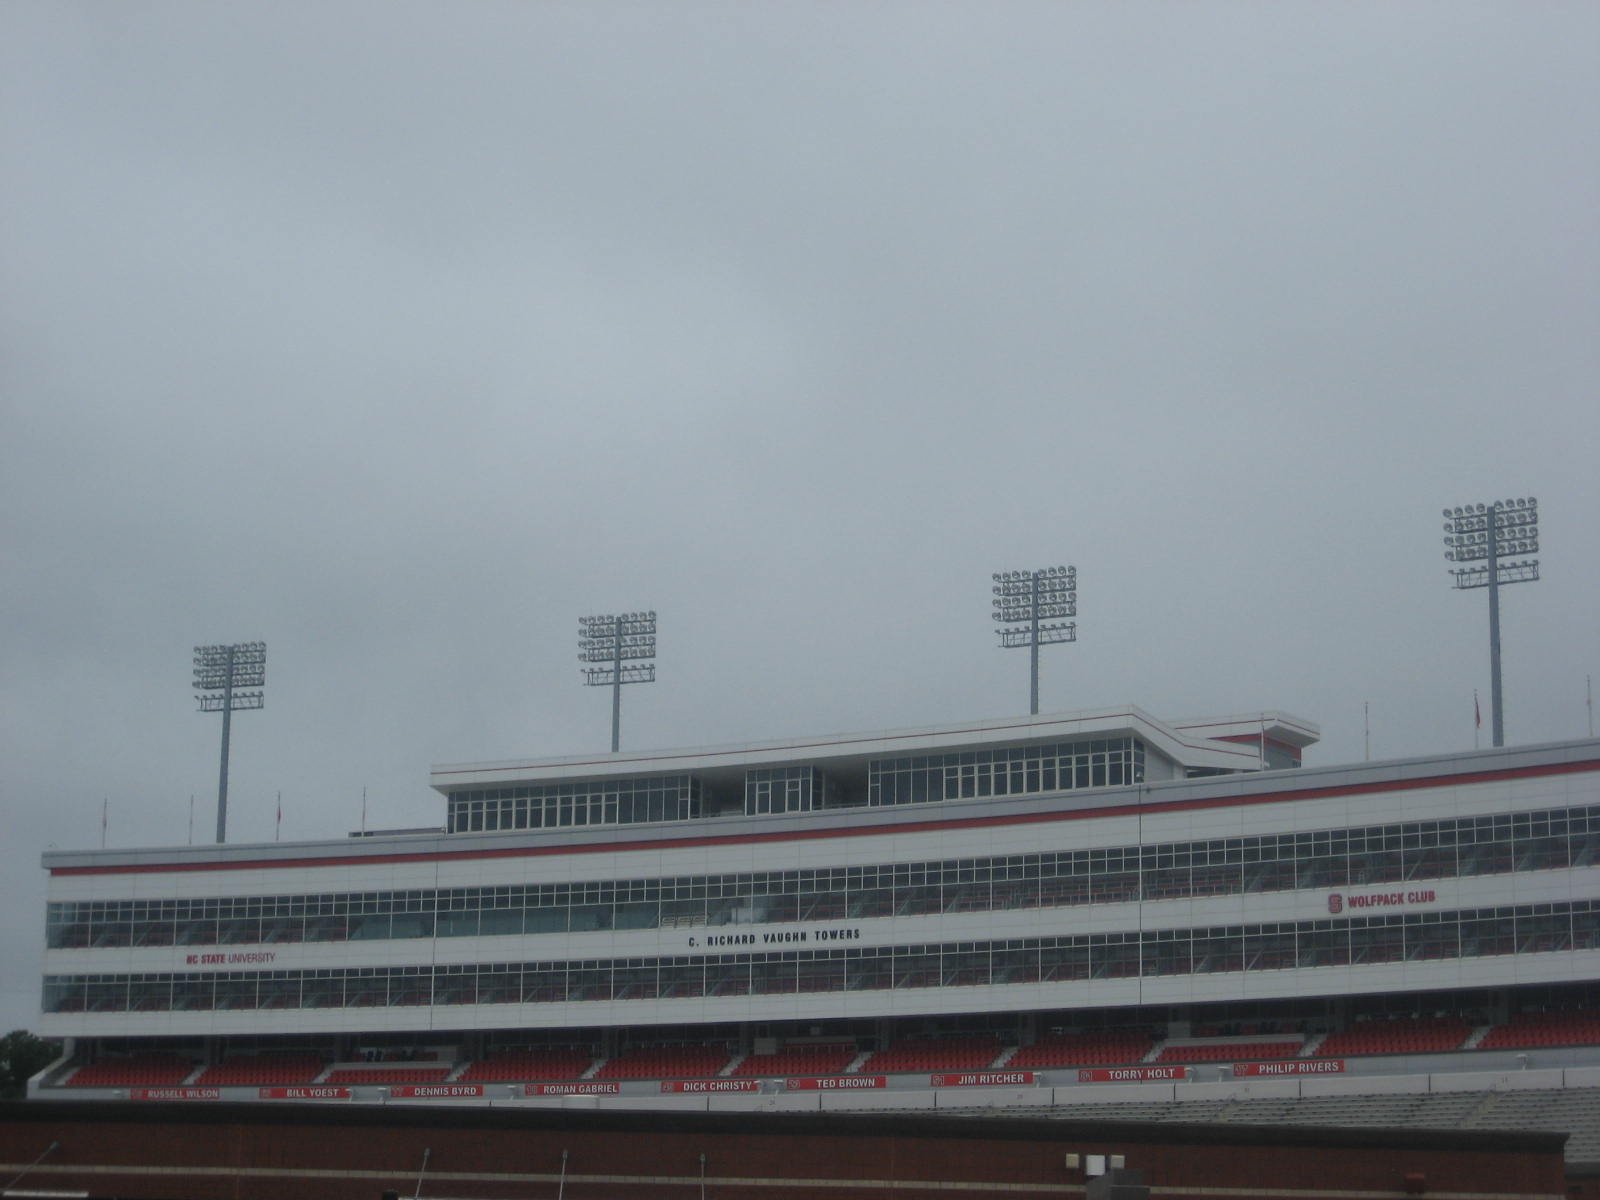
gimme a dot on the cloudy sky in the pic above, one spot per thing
(399, 335)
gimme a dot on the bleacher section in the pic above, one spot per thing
(1084, 1050)
(1580, 1028)
(935, 1054)
(666, 1062)
(1555, 1020)
(135, 1070)
(1417, 1035)
(504, 1066)
(386, 1073)
(1229, 1051)
(798, 1060)
(1570, 1110)
(262, 1070)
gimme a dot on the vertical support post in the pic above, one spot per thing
(1496, 716)
(222, 772)
(616, 690)
(1033, 692)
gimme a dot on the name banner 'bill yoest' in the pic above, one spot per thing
(699, 1086)
(435, 1091)
(572, 1089)
(1295, 1066)
(984, 1079)
(303, 1093)
(1128, 1074)
(832, 1083)
(175, 1093)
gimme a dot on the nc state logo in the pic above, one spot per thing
(1336, 903)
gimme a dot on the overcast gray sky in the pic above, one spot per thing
(400, 335)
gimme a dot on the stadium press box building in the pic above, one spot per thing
(1025, 871)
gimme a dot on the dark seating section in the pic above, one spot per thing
(288, 1067)
(1101, 1048)
(1404, 1035)
(935, 1054)
(666, 1062)
(1551, 1019)
(519, 1065)
(1229, 1051)
(134, 1070)
(812, 1059)
(386, 1073)
(1578, 1027)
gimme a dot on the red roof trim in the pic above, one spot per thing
(354, 860)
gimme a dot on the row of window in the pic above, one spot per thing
(1408, 937)
(789, 790)
(1172, 871)
(1018, 771)
(568, 805)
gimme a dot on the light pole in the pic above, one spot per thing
(1029, 605)
(617, 640)
(1486, 533)
(224, 669)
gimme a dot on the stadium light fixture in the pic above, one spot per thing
(1489, 534)
(219, 671)
(1030, 606)
(625, 644)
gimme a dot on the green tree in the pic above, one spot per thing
(21, 1056)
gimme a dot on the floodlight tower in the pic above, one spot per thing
(1486, 533)
(617, 640)
(223, 669)
(1029, 605)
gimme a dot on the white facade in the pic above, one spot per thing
(802, 917)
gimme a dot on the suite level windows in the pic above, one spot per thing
(788, 790)
(575, 805)
(1397, 938)
(1019, 771)
(1500, 844)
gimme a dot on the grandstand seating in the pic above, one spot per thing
(798, 1060)
(135, 1070)
(1111, 1048)
(1415, 1035)
(261, 1069)
(503, 1065)
(665, 1062)
(1574, 1110)
(1534, 1029)
(1229, 1051)
(386, 1073)
(935, 1054)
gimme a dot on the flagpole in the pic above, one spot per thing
(277, 833)
(1477, 718)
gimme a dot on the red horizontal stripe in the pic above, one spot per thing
(750, 839)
